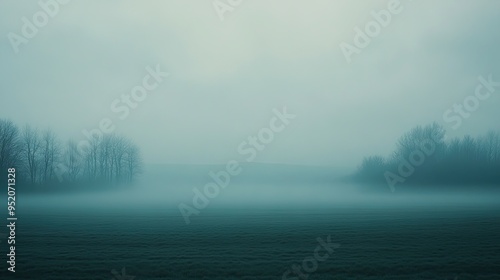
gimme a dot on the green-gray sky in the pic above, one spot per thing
(226, 76)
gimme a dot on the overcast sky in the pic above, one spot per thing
(226, 76)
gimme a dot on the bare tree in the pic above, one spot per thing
(490, 146)
(73, 161)
(133, 162)
(111, 158)
(120, 146)
(91, 159)
(413, 140)
(105, 158)
(50, 154)
(31, 149)
(372, 168)
(10, 145)
(40, 156)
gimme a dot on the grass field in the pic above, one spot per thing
(152, 242)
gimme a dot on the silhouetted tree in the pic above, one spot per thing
(50, 154)
(37, 156)
(133, 162)
(112, 159)
(10, 146)
(420, 137)
(467, 160)
(73, 161)
(31, 151)
(372, 169)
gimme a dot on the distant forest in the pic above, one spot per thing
(423, 156)
(41, 159)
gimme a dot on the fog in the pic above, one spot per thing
(258, 139)
(161, 192)
(267, 86)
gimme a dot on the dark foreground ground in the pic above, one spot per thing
(376, 243)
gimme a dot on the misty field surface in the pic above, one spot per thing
(152, 241)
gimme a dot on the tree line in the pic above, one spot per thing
(41, 158)
(424, 156)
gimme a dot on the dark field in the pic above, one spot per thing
(376, 242)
